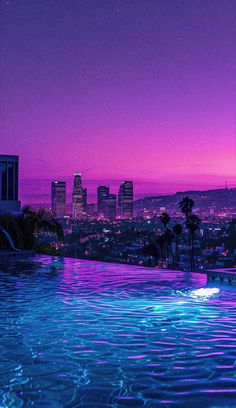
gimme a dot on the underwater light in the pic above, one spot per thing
(205, 292)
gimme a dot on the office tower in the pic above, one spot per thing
(84, 200)
(9, 184)
(119, 202)
(119, 195)
(102, 195)
(59, 198)
(125, 199)
(110, 207)
(79, 198)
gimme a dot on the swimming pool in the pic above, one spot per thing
(87, 334)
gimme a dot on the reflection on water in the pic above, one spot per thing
(86, 334)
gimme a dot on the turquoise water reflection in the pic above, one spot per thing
(86, 334)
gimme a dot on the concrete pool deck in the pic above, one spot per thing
(226, 275)
(9, 255)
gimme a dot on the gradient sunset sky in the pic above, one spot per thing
(129, 89)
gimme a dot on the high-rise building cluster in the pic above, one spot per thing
(108, 206)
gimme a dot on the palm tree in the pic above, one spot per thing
(42, 221)
(150, 250)
(168, 236)
(177, 230)
(161, 241)
(165, 219)
(24, 228)
(193, 222)
(186, 206)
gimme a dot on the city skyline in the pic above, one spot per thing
(37, 191)
(144, 91)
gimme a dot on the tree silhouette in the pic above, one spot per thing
(151, 250)
(165, 219)
(192, 223)
(25, 227)
(186, 206)
(161, 242)
(177, 230)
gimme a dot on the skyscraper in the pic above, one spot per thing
(59, 198)
(110, 207)
(84, 200)
(9, 184)
(102, 196)
(125, 199)
(79, 198)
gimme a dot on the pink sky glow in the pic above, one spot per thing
(146, 93)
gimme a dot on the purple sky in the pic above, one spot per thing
(119, 89)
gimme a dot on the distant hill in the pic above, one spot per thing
(209, 200)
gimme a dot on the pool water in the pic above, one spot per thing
(88, 334)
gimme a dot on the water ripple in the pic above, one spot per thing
(86, 334)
